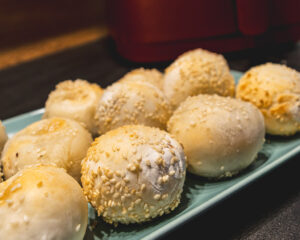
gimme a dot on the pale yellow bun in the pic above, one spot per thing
(42, 202)
(59, 141)
(197, 72)
(275, 90)
(152, 76)
(132, 103)
(221, 135)
(76, 100)
(3, 136)
(133, 174)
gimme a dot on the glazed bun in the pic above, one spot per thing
(152, 76)
(59, 141)
(132, 103)
(221, 135)
(42, 202)
(76, 100)
(133, 174)
(3, 136)
(197, 72)
(275, 90)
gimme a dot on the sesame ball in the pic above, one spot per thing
(42, 202)
(151, 76)
(221, 135)
(76, 100)
(197, 72)
(59, 141)
(133, 174)
(275, 90)
(132, 103)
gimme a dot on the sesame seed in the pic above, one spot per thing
(148, 163)
(26, 219)
(116, 195)
(9, 202)
(164, 196)
(157, 196)
(143, 187)
(39, 184)
(165, 178)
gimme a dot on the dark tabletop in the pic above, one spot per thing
(269, 208)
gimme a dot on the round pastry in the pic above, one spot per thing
(42, 202)
(152, 76)
(132, 103)
(59, 141)
(76, 100)
(197, 72)
(133, 173)
(221, 135)
(3, 136)
(275, 90)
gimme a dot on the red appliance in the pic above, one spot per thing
(159, 30)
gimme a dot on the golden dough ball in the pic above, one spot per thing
(133, 174)
(42, 202)
(275, 90)
(132, 103)
(76, 100)
(59, 141)
(221, 135)
(152, 76)
(197, 72)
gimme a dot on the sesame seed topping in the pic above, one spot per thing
(165, 178)
(26, 219)
(157, 196)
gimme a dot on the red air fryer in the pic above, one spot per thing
(159, 30)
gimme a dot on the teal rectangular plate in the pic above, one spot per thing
(198, 194)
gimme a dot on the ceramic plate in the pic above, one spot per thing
(198, 194)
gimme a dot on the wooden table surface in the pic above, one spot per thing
(267, 209)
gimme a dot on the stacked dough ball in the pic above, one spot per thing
(131, 173)
(221, 135)
(40, 198)
(135, 170)
(151, 183)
